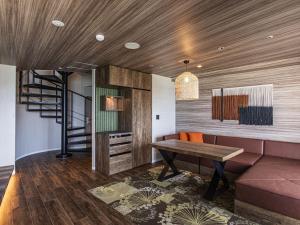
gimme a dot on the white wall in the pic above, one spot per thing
(82, 84)
(35, 134)
(163, 104)
(7, 114)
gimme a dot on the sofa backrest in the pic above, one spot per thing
(248, 144)
(210, 139)
(282, 149)
(207, 138)
(171, 136)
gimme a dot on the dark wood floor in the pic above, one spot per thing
(48, 191)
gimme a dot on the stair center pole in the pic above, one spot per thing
(64, 118)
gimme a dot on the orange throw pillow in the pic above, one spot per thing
(196, 137)
(183, 136)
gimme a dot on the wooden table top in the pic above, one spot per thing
(210, 151)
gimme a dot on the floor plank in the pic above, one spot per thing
(49, 191)
(57, 213)
(38, 212)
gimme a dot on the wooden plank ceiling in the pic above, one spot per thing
(168, 31)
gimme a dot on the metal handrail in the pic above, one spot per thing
(86, 98)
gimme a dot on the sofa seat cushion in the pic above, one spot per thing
(273, 184)
(237, 164)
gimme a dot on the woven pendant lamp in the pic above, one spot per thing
(187, 85)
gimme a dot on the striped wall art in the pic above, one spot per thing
(251, 105)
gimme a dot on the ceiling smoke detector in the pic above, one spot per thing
(100, 37)
(221, 49)
(132, 45)
(270, 37)
(58, 23)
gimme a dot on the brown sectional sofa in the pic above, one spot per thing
(253, 152)
(274, 182)
(269, 177)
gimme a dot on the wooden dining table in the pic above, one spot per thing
(217, 153)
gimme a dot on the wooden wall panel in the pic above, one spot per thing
(283, 74)
(119, 76)
(141, 126)
(102, 153)
(167, 30)
(125, 117)
(142, 80)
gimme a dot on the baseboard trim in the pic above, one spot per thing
(36, 152)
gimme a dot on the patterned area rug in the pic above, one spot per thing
(176, 201)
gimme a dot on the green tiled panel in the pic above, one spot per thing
(105, 121)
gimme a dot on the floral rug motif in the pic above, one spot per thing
(176, 201)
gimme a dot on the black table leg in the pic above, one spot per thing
(218, 174)
(169, 158)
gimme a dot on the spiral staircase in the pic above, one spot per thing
(49, 96)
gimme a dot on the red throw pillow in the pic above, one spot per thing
(183, 136)
(196, 137)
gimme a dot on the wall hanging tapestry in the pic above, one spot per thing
(252, 105)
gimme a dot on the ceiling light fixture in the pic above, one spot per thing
(199, 66)
(132, 45)
(221, 48)
(58, 23)
(270, 37)
(100, 37)
(187, 85)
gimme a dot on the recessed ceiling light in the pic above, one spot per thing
(100, 37)
(199, 66)
(270, 37)
(132, 45)
(58, 23)
(221, 48)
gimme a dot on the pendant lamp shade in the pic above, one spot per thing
(187, 86)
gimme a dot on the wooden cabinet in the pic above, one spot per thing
(113, 152)
(120, 76)
(114, 76)
(117, 76)
(142, 80)
(141, 127)
(134, 109)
